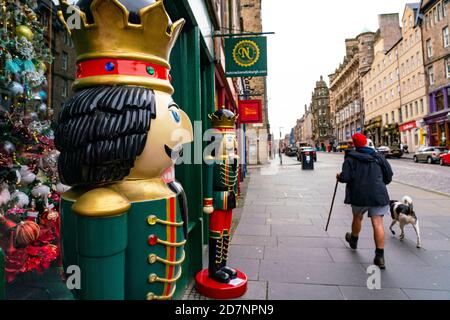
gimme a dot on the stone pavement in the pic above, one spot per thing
(281, 244)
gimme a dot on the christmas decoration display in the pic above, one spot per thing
(124, 221)
(220, 281)
(29, 200)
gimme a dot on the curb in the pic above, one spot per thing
(423, 189)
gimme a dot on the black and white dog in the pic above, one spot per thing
(403, 213)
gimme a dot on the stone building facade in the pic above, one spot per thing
(321, 113)
(434, 21)
(252, 22)
(61, 73)
(345, 86)
(413, 91)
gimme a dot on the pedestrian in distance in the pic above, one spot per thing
(366, 174)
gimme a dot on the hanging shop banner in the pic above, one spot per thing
(250, 111)
(408, 126)
(246, 57)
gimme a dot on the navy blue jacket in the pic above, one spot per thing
(366, 176)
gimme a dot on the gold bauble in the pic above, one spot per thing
(42, 66)
(24, 31)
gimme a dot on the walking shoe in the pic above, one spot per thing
(352, 240)
(379, 259)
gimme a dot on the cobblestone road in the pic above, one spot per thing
(427, 176)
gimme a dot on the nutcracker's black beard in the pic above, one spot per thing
(101, 131)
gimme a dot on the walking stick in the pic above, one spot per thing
(332, 204)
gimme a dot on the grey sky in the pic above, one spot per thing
(309, 42)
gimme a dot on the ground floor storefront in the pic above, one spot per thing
(413, 135)
(438, 121)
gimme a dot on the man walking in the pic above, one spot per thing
(366, 174)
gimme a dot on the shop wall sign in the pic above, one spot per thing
(250, 111)
(246, 57)
(408, 126)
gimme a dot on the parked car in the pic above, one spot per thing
(390, 152)
(311, 150)
(430, 154)
(445, 159)
(291, 151)
(344, 146)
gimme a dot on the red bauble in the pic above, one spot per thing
(27, 232)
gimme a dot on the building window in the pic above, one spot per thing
(393, 116)
(411, 110)
(400, 115)
(431, 75)
(416, 107)
(422, 109)
(429, 48)
(436, 15)
(445, 36)
(387, 118)
(447, 68)
(65, 89)
(440, 14)
(406, 112)
(444, 9)
(64, 60)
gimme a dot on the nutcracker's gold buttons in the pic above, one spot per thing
(152, 258)
(152, 278)
(151, 220)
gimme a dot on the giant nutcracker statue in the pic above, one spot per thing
(220, 281)
(124, 220)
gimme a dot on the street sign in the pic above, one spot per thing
(246, 57)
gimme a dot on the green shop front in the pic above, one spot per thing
(192, 72)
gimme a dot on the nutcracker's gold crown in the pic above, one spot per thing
(111, 35)
(223, 119)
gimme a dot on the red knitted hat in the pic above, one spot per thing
(359, 140)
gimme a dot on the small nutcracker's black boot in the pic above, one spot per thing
(215, 261)
(226, 245)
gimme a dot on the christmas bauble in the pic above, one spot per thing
(27, 232)
(52, 215)
(26, 176)
(5, 196)
(15, 88)
(40, 191)
(22, 200)
(61, 188)
(42, 107)
(9, 147)
(43, 95)
(24, 31)
(41, 66)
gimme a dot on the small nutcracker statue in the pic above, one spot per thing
(124, 222)
(220, 281)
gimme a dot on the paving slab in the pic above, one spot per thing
(427, 294)
(244, 251)
(291, 291)
(363, 293)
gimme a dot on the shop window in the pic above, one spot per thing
(440, 101)
(434, 129)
